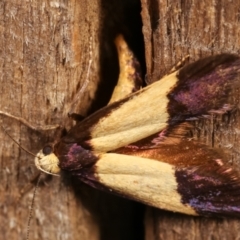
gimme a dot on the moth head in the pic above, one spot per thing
(47, 161)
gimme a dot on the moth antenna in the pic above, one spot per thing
(31, 207)
(26, 123)
(4, 129)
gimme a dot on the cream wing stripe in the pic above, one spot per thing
(123, 138)
(139, 117)
(146, 180)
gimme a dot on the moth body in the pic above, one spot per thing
(140, 148)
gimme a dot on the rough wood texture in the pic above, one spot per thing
(172, 30)
(45, 51)
(44, 55)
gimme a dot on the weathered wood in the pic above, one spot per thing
(45, 52)
(172, 30)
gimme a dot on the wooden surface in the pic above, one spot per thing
(172, 30)
(45, 51)
(44, 57)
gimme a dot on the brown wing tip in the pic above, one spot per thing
(211, 189)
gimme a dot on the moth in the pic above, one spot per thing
(139, 147)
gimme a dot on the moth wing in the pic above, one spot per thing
(188, 177)
(150, 157)
(206, 85)
(123, 122)
(172, 171)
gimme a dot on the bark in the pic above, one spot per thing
(46, 51)
(172, 30)
(51, 51)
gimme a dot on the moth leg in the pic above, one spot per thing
(32, 183)
(129, 79)
(76, 117)
(26, 123)
(180, 64)
(28, 187)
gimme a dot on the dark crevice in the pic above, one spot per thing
(154, 14)
(117, 17)
(119, 219)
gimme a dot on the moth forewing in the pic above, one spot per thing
(141, 110)
(129, 120)
(146, 180)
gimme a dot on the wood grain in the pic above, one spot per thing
(44, 56)
(172, 30)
